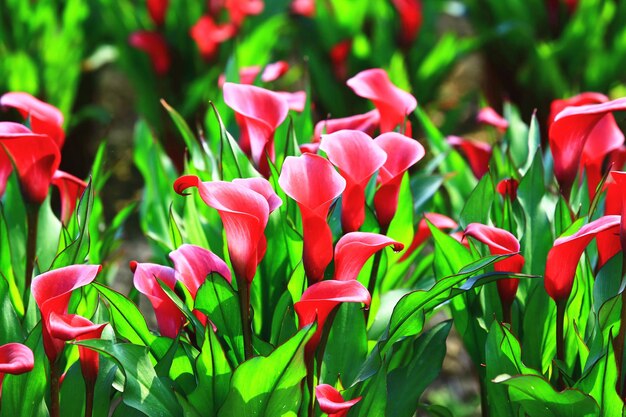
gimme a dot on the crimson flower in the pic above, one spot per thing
(566, 252)
(244, 207)
(270, 73)
(304, 8)
(393, 103)
(52, 291)
(169, 317)
(155, 46)
(43, 118)
(193, 264)
(410, 13)
(70, 188)
(320, 299)
(477, 153)
(366, 122)
(500, 242)
(358, 158)
(339, 54)
(258, 113)
(402, 153)
(583, 133)
(620, 181)
(313, 182)
(75, 327)
(423, 231)
(507, 188)
(208, 35)
(355, 248)
(15, 359)
(239, 9)
(489, 116)
(331, 402)
(157, 10)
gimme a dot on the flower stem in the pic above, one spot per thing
(507, 313)
(32, 213)
(618, 343)
(560, 337)
(90, 387)
(55, 409)
(371, 285)
(244, 302)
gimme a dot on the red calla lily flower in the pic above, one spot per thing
(244, 211)
(154, 45)
(270, 73)
(43, 118)
(313, 182)
(157, 10)
(354, 249)
(169, 318)
(304, 8)
(477, 153)
(258, 112)
(36, 158)
(208, 36)
(339, 54)
(423, 231)
(410, 13)
(573, 136)
(402, 153)
(558, 105)
(193, 264)
(507, 188)
(500, 242)
(239, 9)
(331, 402)
(321, 298)
(358, 158)
(566, 252)
(393, 103)
(15, 359)
(70, 188)
(366, 122)
(296, 101)
(75, 327)
(489, 116)
(620, 181)
(52, 291)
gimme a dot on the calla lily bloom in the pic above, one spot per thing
(358, 158)
(157, 10)
(366, 122)
(410, 13)
(36, 158)
(500, 242)
(477, 153)
(52, 291)
(155, 46)
(169, 318)
(566, 252)
(239, 9)
(15, 359)
(339, 54)
(296, 100)
(507, 188)
(393, 103)
(43, 118)
(331, 402)
(319, 300)
(423, 231)
(244, 212)
(208, 35)
(573, 136)
(313, 182)
(258, 113)
(489, 116)
(309, 147)
(354, 249)
(402, 153)
(620, 181)
(193, 264)
(75, 327)
(70, 188)
(270, 73)
(304, 8)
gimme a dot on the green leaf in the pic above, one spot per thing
(143, 390)
(276, 387)
(477, 208)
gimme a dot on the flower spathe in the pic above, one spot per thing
(358, 158)
(15, 359)
(157, 10)
(155, 46)
(313, 182)
(366, 122)
(488, 116)
(331, 401)
(477, 153)
(355, 248)
(70, 189)
(410, 13)
(193, 263)
(208, 35)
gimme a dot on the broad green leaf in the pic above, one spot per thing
(477, 208)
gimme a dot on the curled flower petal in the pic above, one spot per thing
(477, 153)
(313, 182)
(489, 116)
(43, 118)
(508, 188)
(557, 106)
(157, 10)
(208, 35)
(169, 318)
(366, 122)
(402, 153)
(500, 242)
(70, 188)
(296, 100)
(309, 148)
(358, 158)
(155, 46)
(15, 359)
(244, 214)
(331, 402)
(410, 12)
(193, 264)
(573, 135)
(354, 249)
(393, 103)
(423, 231)
(564, 256)
(258, 112)
(263, 187)
(321, 298)
(52, 291)
(339, 54)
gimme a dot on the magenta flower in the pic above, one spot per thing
(331, 402)
(355, 248)
(15, 359)
(43, 118)
(488, 116)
